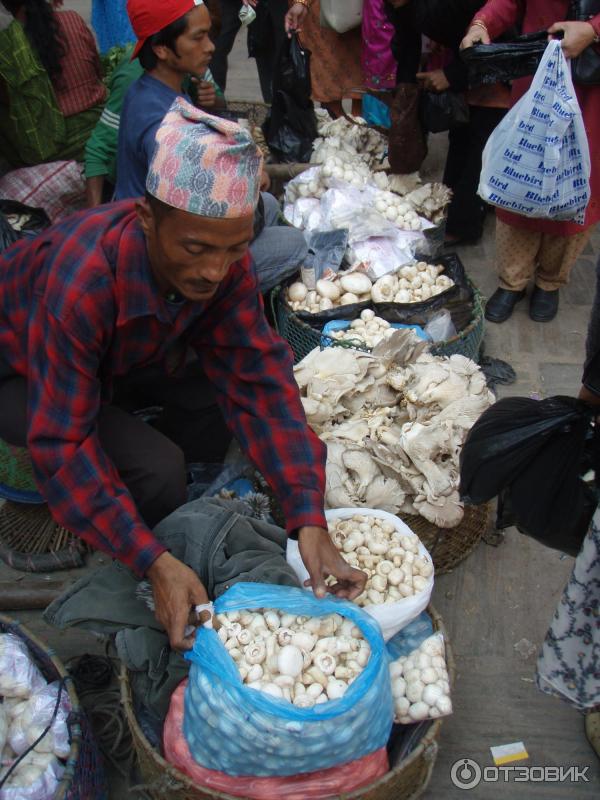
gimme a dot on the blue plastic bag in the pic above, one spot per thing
(344, 324)
(375, 112)
(242, 731)
(410, 637)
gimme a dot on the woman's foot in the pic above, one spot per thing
(543, 305)
(592, 730)
(501, 304)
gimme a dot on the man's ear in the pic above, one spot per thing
(161, 51)
(145, 216)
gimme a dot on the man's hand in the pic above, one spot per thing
(577, 36)
(295, 17)
(176, 590)
(476, 34)
(322, 559)
(434, 81)
(206, 94)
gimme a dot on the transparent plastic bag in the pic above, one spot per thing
(36, 777)
(31, 722)
(420, 683)
(19, 676)
(309, 786)
(242, 731)
(410, 637)
(440, 328)
(391, 617)
(536, 163)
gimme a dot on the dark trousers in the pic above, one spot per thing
(230, 25)
(265, 37)
(150, 458)
(463, 168)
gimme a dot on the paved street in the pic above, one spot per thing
(500, 595)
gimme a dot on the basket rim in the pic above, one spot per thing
(12, 625)
(429, 737)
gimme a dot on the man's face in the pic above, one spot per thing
(191, 254)
(194, 47)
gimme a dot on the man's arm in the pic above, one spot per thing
(251, 369)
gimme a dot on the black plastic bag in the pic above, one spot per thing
(31, 220)
(458, 300)
(8, 235)
(443, 111)
(504, 61)
(532, 454)
(291, 126)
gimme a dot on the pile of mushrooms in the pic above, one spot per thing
(392, 561)
(352, 139)
(413, 283)
(304, 660)
(366, 331)
(420, 686)
(344, 289)
(397, 210)
(394, 421)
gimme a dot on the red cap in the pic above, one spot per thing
(148, 17)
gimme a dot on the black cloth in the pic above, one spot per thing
(266, 36)
(443, 21)
(591, 373)
(467, 210)
(150, 458)
(230, 25)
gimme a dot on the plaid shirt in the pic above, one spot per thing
(78, 307)
(80, 86)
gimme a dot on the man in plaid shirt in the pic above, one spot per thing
(119, 289)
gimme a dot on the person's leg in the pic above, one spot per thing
(516, 255)
(557, 257)
(266, 60)
(189, 415)
(150, 465)
(279, 250)
(466, 213)
(230, 25)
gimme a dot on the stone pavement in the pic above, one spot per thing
(499, 595)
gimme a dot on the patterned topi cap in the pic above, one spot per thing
(203, 164)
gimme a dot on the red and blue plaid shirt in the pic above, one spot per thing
(79, 307)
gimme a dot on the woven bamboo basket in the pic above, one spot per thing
(449, 546)
(406, 780)
(84, 777)
(30, 540)
(302, 338)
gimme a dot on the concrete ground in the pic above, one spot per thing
(500, 595)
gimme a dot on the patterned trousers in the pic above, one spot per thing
(522, 255)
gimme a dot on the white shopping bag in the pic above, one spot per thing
(537, 162)
(341, 15)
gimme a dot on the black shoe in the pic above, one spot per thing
(543, 305)
(501, 304)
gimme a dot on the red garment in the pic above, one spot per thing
(149, 17)
(78, 307)
(499, 16)
(80, 86)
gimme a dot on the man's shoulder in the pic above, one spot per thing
(83, 253)
(149, 97)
